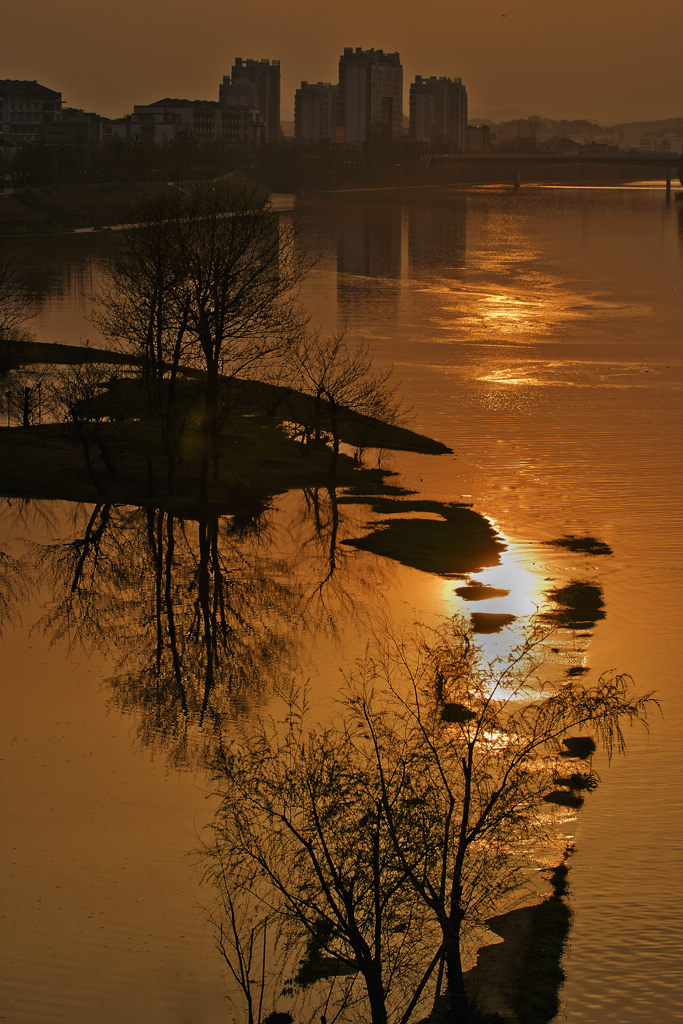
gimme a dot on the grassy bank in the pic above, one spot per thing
(113, 449)
(68, 207)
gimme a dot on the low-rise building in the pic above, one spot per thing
(76, 128)
(165, 120)
(479, 138)
(27, 109)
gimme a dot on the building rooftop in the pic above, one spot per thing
(10, 87)
(169, 102)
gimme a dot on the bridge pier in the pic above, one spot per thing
(668, 183)
(517, 184)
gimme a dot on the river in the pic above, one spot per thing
(539, 334)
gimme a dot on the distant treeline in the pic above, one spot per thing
(59, 188)
(188, 159)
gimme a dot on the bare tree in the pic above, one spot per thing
(75, 395)
(15, 302)
(465, 753)
(210, 279)
(15, 309)
(298, 810)
(342, 380)
(141, 308)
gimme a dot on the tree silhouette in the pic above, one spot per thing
(464, 754)
(385, 836)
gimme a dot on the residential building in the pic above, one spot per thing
(115, 130)
(26, 108)
(165, 120)
(479, 137)
(75, 128)
(315, 112)
(203, 120)
(370, 102)
(243, 126)
(255, 85)
(438, 112)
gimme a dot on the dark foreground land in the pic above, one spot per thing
(114, 449)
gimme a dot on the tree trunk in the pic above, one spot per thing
(378, 1010)
(455, 977)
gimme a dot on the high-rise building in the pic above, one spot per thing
(438, 111)
(315, 112)
(370, 94)
(255, 85)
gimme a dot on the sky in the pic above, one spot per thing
(596, 59)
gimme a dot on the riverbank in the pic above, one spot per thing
(78, 206)
(62, 207)
(111, 448)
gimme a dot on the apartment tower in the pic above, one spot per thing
(438, 112)
(370, 95)
(255, 85)
(315, 112)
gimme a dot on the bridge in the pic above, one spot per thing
(667, 163)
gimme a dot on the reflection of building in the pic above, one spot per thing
(315, 112)
(26, 109)
(437, 236)
(438, 111)
(370, 94)
(370, 243)
(421, 236)
(255, 85)
(382, 246)
(369, 239)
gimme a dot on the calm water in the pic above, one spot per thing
(540, 335)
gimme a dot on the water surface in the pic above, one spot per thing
(540, 335)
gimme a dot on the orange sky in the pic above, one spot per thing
(597, 59)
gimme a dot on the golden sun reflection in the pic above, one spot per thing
(499, 599)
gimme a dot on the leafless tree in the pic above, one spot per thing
(210, 278)
(342, 380)
(141, 308)
(15, 302)
(465, 753)
(298, 810)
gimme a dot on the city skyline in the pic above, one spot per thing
(600, 65)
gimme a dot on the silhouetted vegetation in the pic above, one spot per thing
(391, 832)
(202, 296)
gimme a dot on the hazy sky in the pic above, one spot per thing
(600, 59)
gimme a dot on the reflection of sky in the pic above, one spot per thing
(516, 574)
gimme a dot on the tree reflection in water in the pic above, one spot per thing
(203, 615)
(347, 859)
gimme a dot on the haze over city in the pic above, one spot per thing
(600, 62)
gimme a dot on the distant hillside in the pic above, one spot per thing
(627, 135)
